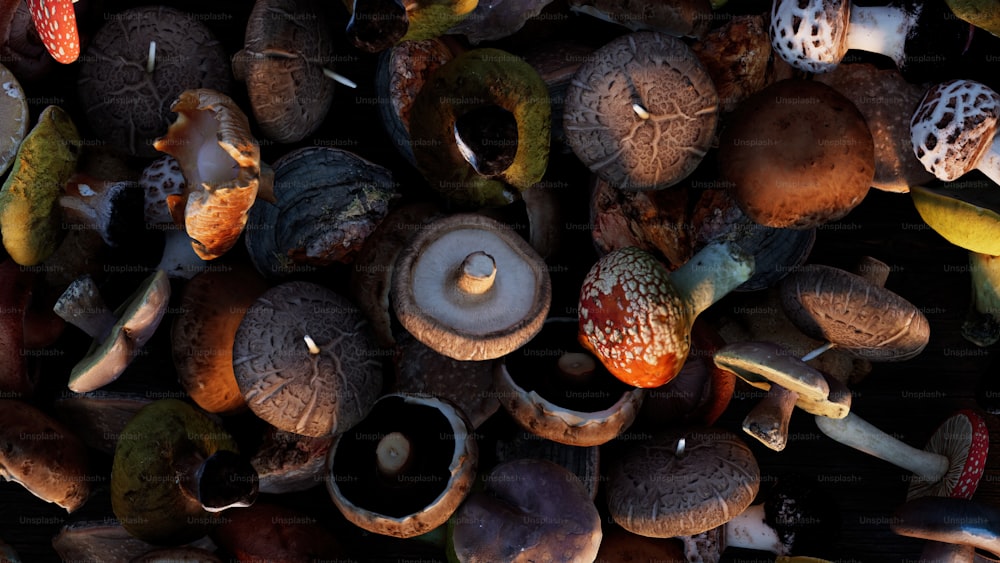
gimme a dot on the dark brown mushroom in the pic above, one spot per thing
(99, 416)
(288, 462)
(269, 532)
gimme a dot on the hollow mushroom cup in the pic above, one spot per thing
(641, 112)
(392, 477)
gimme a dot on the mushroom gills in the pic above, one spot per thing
(487, 138)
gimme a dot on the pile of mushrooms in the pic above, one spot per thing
(494, 281)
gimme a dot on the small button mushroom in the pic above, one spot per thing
(137, 64)
(951, 464)
(641, 112)
(118, 335)
(553, 388)
(682, 483)
(393, 477)
(529, 510)
(684, 18)
(100, 416)
(636, 317)
(957, 521)
(289, 462)
(42, 455)
(269, 532)
(55, 21)
(797, 154)
(471, 288)
(14, 117)
(954, 130)
(304, 361)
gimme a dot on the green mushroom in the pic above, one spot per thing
(502, 95)
(45, 160)
(174, 469)
(984, 14)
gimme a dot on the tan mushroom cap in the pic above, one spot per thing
(654, 491)
(796, 155)
(641, 112)
(448, 297)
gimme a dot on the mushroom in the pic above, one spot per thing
(42, 455)
(103, 540)
(55, 21)
(174, 470)
(136, 64)
(100, 416)
(954, 130)
(951, 464)
(288, 462)
(21, 48)
(687, 18)
(982, 323)
(220, 160)
(957, 521)
(177, 555)
(471, 288)
(269, 532)
(636, 317)
(111, 208)
(496, 20)
(618, 544)
(737, 56)
(797, 154)
(681, 483)
(13, 116)
(162, 182)
(583, 462)
(553, 388)
(528, 510)
(304, 361)
(967, 218)
(392, 477)
(289, 44)
(118, 335)
(15, 292)
(376, 25)
(641, 112)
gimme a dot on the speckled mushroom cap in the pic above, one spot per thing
(964, 439)
(810, 35)
(641, 112)
(654, 491)
(14, 117)
(289, 386)
(953, 127)
(129, 107)
(288, 43)
(502, 312)
(856, 315)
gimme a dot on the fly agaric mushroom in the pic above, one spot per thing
(55, 21)
(951, 464)
(797, 154)
(954, 130)
(636, 317)
(957, 521)
(471, 288)
(641, 112)
(118, 335)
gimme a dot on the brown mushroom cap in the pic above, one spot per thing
(287, 462)
(654, 491)
(854, 314)
(288, 385)
(530, 510)
(797, 154)
(641, 73)
(125, 104)
(468, 322)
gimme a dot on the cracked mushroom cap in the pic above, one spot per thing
(682, 483)
(641, 112)
(471, 288)
(304, 360)
(954, 126)
(810, 35)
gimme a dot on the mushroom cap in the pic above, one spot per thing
(737, 56)
(271, 532)
(652, 491)
(950, 520)
(683, 18)
(288, 44)
(289, 462)
(138, 318)
(420, 498)
(97, 540)
(797, 154)
(99, 416)
(177, 555)
(965, 440)
(14, 117)
(457, 324)
(530, 510)
(583, 462)
(289, 387)
(856, 315)
(161, 179)
(810, 35)
(55, 22)
(129, 107)
(662, 75)
(954, 126)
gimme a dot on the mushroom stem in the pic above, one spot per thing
(476, 274)
(881, 29)
(989, 163)
(393, 454)
(577, 364)
(855, 432)
(222, 480)
(151, 58)
(82, 306)
(311, 344)
(640, 111)
(713, 272)
(339, 78)
(818, 351)
(768, 421)
(982, 323)
(749, 530)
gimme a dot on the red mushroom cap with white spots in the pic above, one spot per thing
(965, 440)
(55, 21)
(633, 318)
(953, 127)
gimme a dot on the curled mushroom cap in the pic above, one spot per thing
(641, 112)
(471, 288)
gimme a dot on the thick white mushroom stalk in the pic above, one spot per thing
(881, 29)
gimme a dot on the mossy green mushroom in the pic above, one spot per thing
(480, 79)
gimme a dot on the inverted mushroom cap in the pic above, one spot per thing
(682, 483)
(471, 288)
(810, 35)
(966, 218)
(964, 439)
(641, 112)
(797, 154)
